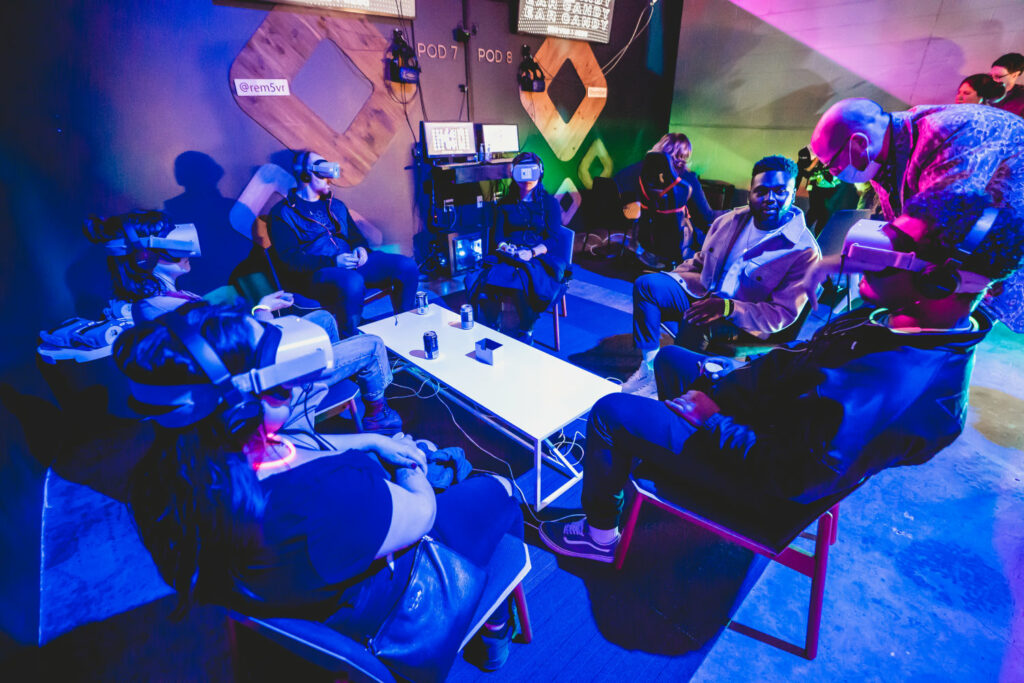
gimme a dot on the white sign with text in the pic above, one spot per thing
(261, 87)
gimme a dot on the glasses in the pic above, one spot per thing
(831, 162)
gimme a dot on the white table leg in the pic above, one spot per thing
(574, 478)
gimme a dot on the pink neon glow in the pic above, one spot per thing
(284, 461)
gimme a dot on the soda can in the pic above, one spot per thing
(422, 305)
(715, 367)
(466, 312)
(430, 344)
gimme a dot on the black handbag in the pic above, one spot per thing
(421, 635)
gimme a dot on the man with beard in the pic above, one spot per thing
(777, 442)
(322, 253)
(742, 284)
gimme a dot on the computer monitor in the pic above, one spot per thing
(448, 138)
(500, 138)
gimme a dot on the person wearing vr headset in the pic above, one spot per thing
(524, 267)
(744, 283)
(928, 148)
(238, 512)
(148, 253)
(670, 204)
(323, 254)
(795, 430)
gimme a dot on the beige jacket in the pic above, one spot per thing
(767, 299)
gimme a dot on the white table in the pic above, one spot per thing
(533, 392)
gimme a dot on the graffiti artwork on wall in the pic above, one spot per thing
(278, 50)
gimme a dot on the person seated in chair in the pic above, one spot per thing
(670, 204)
(304, 525)
(323, 254)
(525, 268)
(741, 285)
(796, 429)
(148, 253)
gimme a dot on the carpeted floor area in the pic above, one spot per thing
(926, 582)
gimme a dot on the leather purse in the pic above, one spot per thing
(421, 635)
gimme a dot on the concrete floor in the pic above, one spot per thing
(926, 582)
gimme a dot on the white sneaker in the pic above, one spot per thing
(641, 382)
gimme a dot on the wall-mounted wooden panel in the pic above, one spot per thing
(565, 138)
(279, 48)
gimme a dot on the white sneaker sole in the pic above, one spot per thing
(573, 553)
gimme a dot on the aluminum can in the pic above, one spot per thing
(466, 313)
(422, 305)
(430, 344)
(715, 367)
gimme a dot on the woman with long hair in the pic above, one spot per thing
(302, 525)
(676, 231)
(146, 279)
(525, 267)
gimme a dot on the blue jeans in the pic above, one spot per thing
(326, 321)
(341, 290)
(364, 358)
(657, 298)
(625, 430)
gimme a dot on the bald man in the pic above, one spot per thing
(963, 147)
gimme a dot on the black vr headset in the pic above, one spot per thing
(304, 170)
(291, 352)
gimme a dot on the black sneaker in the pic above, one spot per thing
(495, 646)
(573, 539)
(384, 421)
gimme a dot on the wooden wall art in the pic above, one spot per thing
(279, 48)
(598, 152)
(565, 138)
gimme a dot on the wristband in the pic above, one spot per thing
(259, 307)
(729, 307)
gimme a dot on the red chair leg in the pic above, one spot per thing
(821, 545)
(565, 307)
(627, 531)
(524, 614)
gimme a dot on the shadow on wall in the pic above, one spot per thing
(203, 204)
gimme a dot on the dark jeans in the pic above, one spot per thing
(656, 298)
(518, 322)
(625, 430)
(341, 290)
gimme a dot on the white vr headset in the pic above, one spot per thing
(180, 242)
(868, 249)
(292, 352)
(526, 171)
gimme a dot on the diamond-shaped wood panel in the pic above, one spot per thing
(598, 152)
(279, 48)
(568, 189)
(565, 138)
